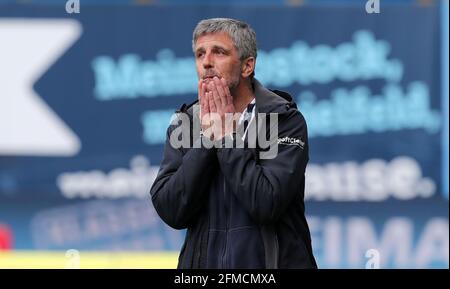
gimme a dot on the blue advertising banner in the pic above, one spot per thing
(85, 101)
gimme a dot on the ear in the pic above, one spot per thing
(247, 67)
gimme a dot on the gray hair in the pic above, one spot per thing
(243, 36)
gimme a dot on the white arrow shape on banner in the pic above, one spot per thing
(28, 47)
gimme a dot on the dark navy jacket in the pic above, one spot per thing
(240, 211)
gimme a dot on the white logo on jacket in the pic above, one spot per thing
(291, 141)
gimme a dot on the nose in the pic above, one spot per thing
(208, 61)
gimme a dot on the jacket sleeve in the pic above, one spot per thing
(265, 187)
(180, 189)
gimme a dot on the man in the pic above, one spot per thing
(240, 210)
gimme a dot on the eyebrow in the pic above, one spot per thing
(215, 47)
(220, 47)
(199, 49)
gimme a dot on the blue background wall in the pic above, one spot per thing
(372, 88)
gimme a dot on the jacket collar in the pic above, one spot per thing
(267, 100)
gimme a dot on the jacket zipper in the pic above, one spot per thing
(224, 257)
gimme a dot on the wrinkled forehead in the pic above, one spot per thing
(216, 39)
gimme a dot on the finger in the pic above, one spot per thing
(201, 98)
(202, 89)
(205, 99)
(226, 91)
(215, 96)
(200, 86)
(206, 103)
(221, 91)
(212, 104)
(201, 92)
(205, 120)
(213, 90)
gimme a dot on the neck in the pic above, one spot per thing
(242, 95)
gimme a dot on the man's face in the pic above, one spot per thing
(215, 55)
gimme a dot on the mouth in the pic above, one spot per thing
(209, 78)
